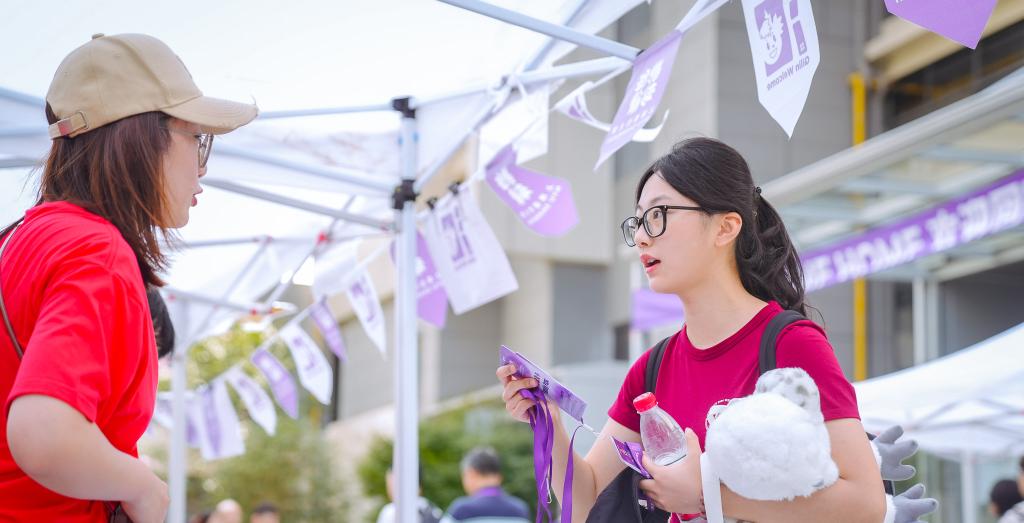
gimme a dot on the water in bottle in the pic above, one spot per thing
(663, 439)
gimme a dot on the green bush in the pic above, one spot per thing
(444, 439)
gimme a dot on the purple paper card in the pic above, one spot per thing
(962, 21)
(543, 203)
(563, 397)
(281, 382)
(651, 72)
(630, 453)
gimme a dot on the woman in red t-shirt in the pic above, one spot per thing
(704, 232)
(78, 363)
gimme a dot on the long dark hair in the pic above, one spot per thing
(116, 171)
(717, 178)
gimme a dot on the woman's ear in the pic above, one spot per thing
(729, 226)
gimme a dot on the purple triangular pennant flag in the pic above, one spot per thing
(651, 72)
(324, 319)
(281, 382)
(962, 21)
(543, 203)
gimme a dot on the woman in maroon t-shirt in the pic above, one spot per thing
(704, 232)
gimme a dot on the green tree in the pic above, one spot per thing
(444, 440)
(292, 469)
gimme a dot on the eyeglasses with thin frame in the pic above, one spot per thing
(653, 220)
(205, 141)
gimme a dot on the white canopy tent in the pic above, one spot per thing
(284, 182)
(964, 406)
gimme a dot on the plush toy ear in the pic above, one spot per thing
(793, 384)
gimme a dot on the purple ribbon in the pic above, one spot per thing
(543, 443)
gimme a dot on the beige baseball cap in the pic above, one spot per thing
(113, 77)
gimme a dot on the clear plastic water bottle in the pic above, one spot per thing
(663, 439)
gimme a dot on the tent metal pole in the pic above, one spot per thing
(186, 296)
(380, 185)
(537, 59)
(406, 370)
(435, 168)
(597, 43)
(178, 462)
(325, 111)
(968, 511)
(298, 204)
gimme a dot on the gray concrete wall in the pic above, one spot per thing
(580, 328)
(978, 307)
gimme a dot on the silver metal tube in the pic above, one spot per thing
(597, 43)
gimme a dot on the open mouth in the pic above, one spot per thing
(649, 261)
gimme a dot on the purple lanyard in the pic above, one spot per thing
(543, 443)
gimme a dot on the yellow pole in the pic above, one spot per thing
(858, 91)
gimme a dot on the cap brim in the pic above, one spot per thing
(213, 114)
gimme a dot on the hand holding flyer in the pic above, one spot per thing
(563, 397)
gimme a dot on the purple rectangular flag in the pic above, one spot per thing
(324, 319)
(651, 310)
(543, 203)
(995, 208)
(432, 303)
(281, 382)
(651, 72)
(962, 21)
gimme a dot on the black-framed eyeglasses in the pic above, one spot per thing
(205, 141)
(653, 220)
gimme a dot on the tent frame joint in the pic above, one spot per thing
(404, 192)
(404, 106)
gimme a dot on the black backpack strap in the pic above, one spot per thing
(766, 355)
(654, 364)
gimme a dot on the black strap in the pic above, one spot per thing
(3, 308)
(654, 364)
(766, 355)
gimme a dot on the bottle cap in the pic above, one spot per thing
(645, 402)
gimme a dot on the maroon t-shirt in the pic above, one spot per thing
(691, 380)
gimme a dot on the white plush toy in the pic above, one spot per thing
(773, 445)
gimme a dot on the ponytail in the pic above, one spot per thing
(768, 264)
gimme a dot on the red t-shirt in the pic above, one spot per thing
(691, 380)
(78, 305)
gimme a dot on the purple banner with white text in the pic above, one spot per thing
(997, 207)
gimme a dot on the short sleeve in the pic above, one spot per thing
(622, 410)
(804, 345)
(68, 353)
